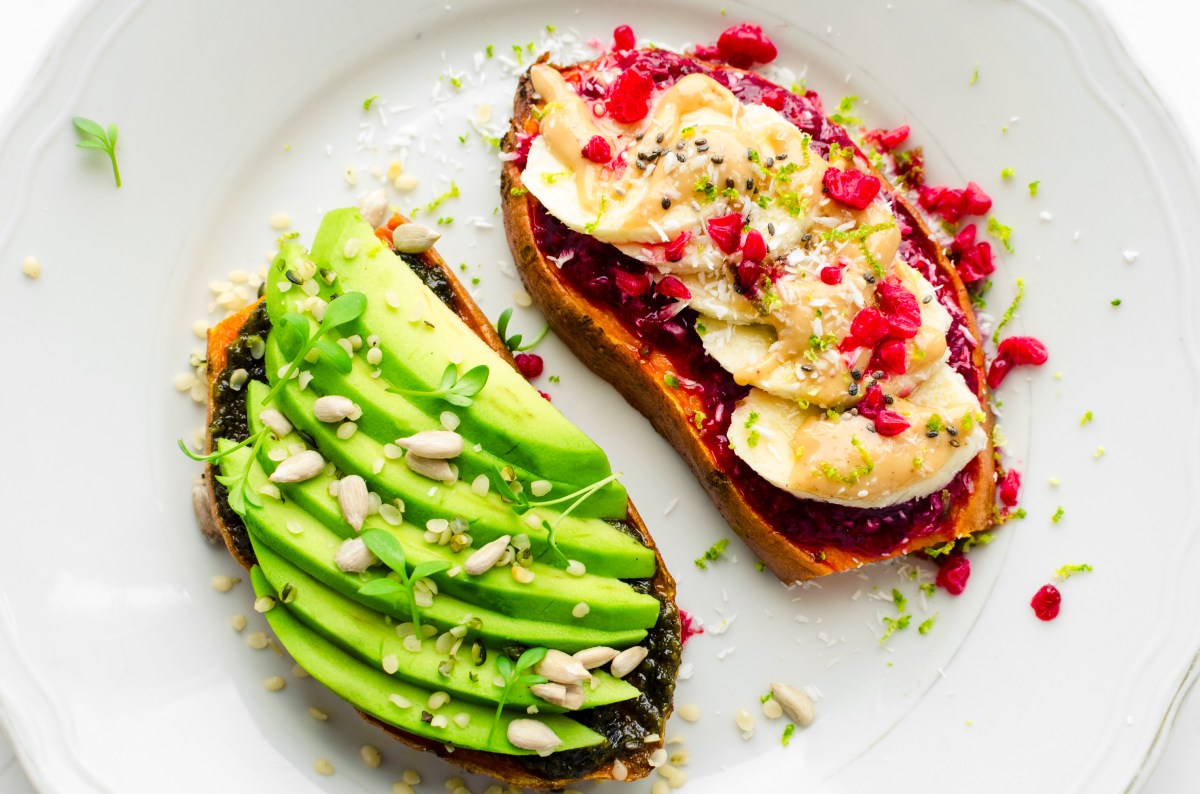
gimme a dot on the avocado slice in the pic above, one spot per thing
(612, 604)
(370, 636)
(602, 548)
(313, 548)
(371, 691)
(521, 425)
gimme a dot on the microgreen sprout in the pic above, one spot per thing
(384, 546)
(97, 137)
(238, 485)
(514, 674)
(296, 342)
(520, 504)
(455, 389)
(513, 343)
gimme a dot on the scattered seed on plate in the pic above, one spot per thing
(522, 299)
(689, 712)
(371, 756)
(274, 683)
(223, 584)
(31, 267)
(317, 714)
(257, 640)
(238, 622)
(281, 221)
(322, 767)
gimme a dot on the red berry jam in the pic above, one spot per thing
(657, 325)
(1046, 602)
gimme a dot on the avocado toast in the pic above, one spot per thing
(427, 535)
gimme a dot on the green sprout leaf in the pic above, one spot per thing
(97, 137)
(391, 553)
(340, 311)
(513, 674)
(513, 343)
(459, 391)
(239, 489)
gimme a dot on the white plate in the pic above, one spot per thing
(118, 670)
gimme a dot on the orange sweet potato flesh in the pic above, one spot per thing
(637, 762)
(608, 349)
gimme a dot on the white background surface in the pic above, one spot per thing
(1166, 52)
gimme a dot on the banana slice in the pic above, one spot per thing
(840, 460)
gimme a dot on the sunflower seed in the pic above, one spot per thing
(437, 444)
(278, 423)
(561, 668)
(354, 500)
(299, 467)
(373, 206)
(533, 735)
(598, 656)
(353, 556)
(487, 556)
(569, 696)
(429, 467)
(797, 705)
(413, 238)
(334, 408)
(627, 660)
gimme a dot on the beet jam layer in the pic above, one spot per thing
(660, 326)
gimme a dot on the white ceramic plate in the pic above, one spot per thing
(118, 669)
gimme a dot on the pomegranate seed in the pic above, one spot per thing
(629, 96)
(831, 275)
(890, 423)
(623, 38)
(965, 239)
(745, 45)
(545, 396)
(597, 150)
(851, 187)
(675, 248)
(674, 288)
(900, 309)
(890, 140)
(1010, 487)
(530, 364)
(754, 247)
(725, 231)
(872, 401)
(1015, 351)
(892, 357)
(976, 263)
(634, 284)
(952, 576)
(1046, 602)
(868, 327)
(974, 200)
(749, 273)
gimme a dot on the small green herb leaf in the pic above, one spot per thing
(429, 568)
(343, 309)
(382, 586)
(336, 355)
(99, 138)
(384, 546)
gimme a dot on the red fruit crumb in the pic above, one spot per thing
(953, 204)
(632, 283)
(675, 248)
(831, 275)
(890, 423)
(851, 187)
(976, 262)
(725, 231)
(867, 328)
(749, 273)
(754, 247)
(688, 627)
(900, 309)
(975, 201)
(629, 96)
(597, 150)
(1013, 352)
(530, 364)
(892, 356)
(745, 45)
(707, 52)
(965, 239)
(1010, 488)
(545, 396)
(773, 97)
(674, 288)
(952, 576)
(889, 139)
(623, 38)
(872, 402)
(1046, 602)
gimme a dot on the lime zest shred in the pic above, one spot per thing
(1010, 311)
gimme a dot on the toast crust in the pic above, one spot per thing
(600, 340)
(505, 768)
